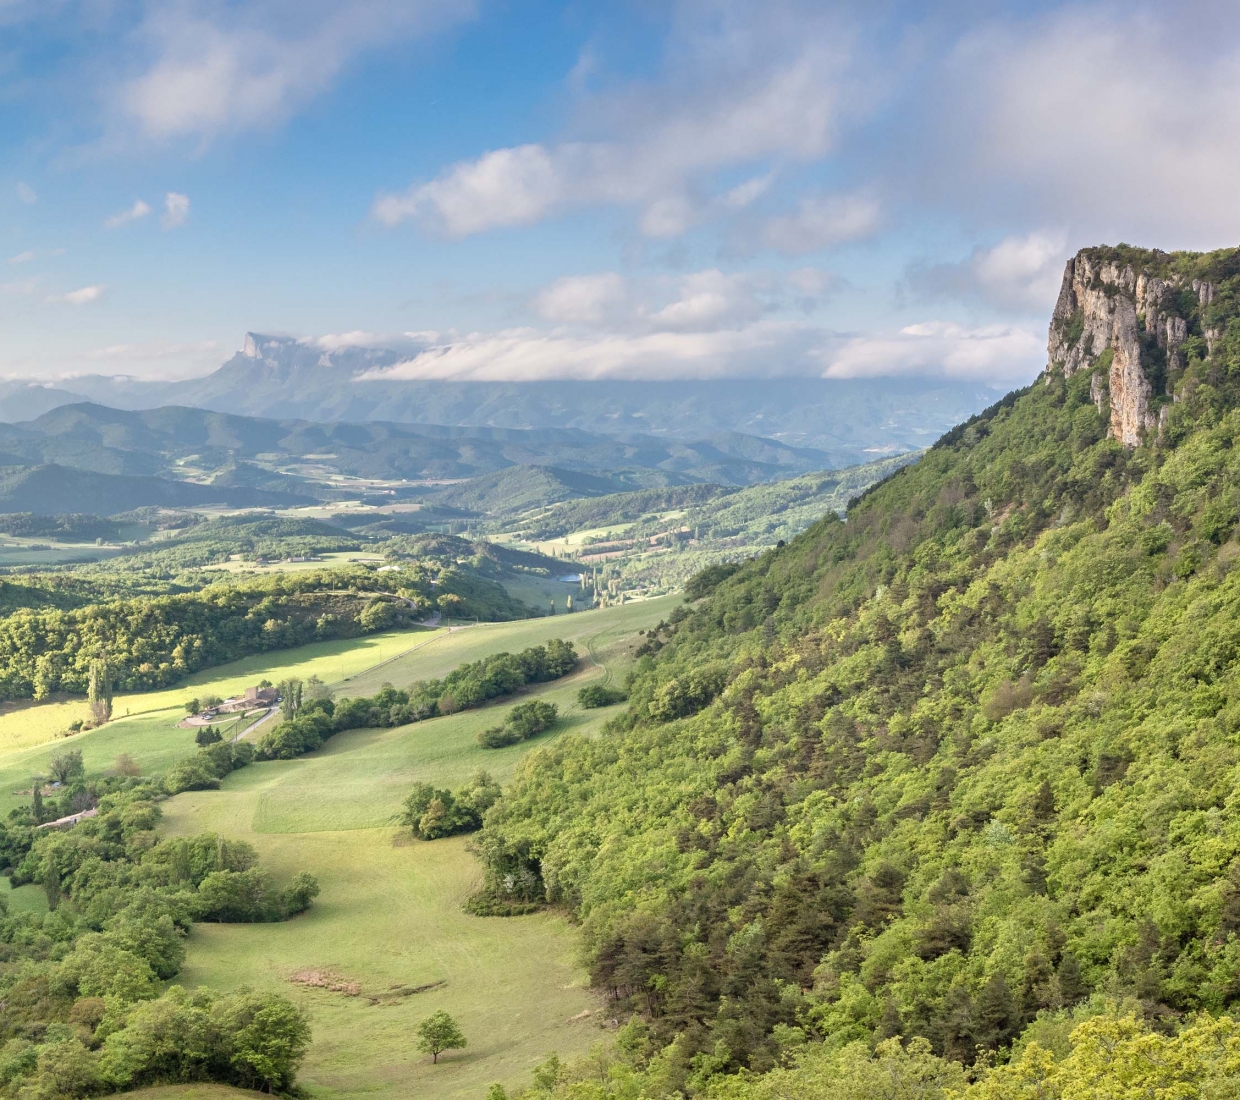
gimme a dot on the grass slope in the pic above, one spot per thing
(29, 734)
(390, 914)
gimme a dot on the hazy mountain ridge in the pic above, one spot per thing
(49, 490)
(853, 420)
(150, 441)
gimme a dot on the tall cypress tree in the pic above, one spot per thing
(99, 691)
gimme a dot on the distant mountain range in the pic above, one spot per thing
(52, 490)
(179, 441)
(850, 421)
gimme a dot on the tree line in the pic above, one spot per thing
(470, 685)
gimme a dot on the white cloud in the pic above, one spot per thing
(21, 287)
(135, 213)
(176, 209)
(820, 222)
(26, 193)
(747, 87)
(708, 300)
(21, 258)
(81, 297)
(399, 341)
(583, 299)
(213, 67)
(1021, 273)
(526, 354)
(997, 354)
(700, 301)
(1116, 120)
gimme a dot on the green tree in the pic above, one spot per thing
(207, 735)
(439, 1032)
(99, 691)
(66, 766)
(269, 1038)
(290, 698)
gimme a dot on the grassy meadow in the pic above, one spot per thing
(390, 915)
(146, 723)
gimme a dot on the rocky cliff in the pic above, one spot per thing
(1132, 318)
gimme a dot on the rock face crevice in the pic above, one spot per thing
(1105, 305)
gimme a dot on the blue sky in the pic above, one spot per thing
(694, 188)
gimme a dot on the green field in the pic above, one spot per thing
(390, 915)
(146, 724)
(590, 630)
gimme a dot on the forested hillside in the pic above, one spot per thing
(961, 764)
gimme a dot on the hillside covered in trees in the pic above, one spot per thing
(960, 767)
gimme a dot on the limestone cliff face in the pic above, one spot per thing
(1136, 315)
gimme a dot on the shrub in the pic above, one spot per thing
(599, 695)
(524, 721)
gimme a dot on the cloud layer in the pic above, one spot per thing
(705, 325)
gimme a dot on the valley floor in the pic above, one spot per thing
(389, 924)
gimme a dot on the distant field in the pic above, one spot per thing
(29, 734)
(337, 557)
(390, 913)
(539, 591)
(45, 553)
(473, 642)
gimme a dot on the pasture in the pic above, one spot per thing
(389, 925)
(145, 725)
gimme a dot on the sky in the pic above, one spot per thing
(637, 189)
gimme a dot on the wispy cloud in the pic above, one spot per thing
(137, 212)
(819, 222)
(754, 87)
(213, 67)
(176, 209)
(22, 258)
(26, 193)
(1021, 273)
(83, 296)
(999, 354)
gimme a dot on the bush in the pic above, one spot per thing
(599, 695)
(432, 813)
(524, 721)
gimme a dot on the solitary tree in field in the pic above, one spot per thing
(437, 1033)
(66, 766)
(99, 691)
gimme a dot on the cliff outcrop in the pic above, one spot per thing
(1127, 316)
